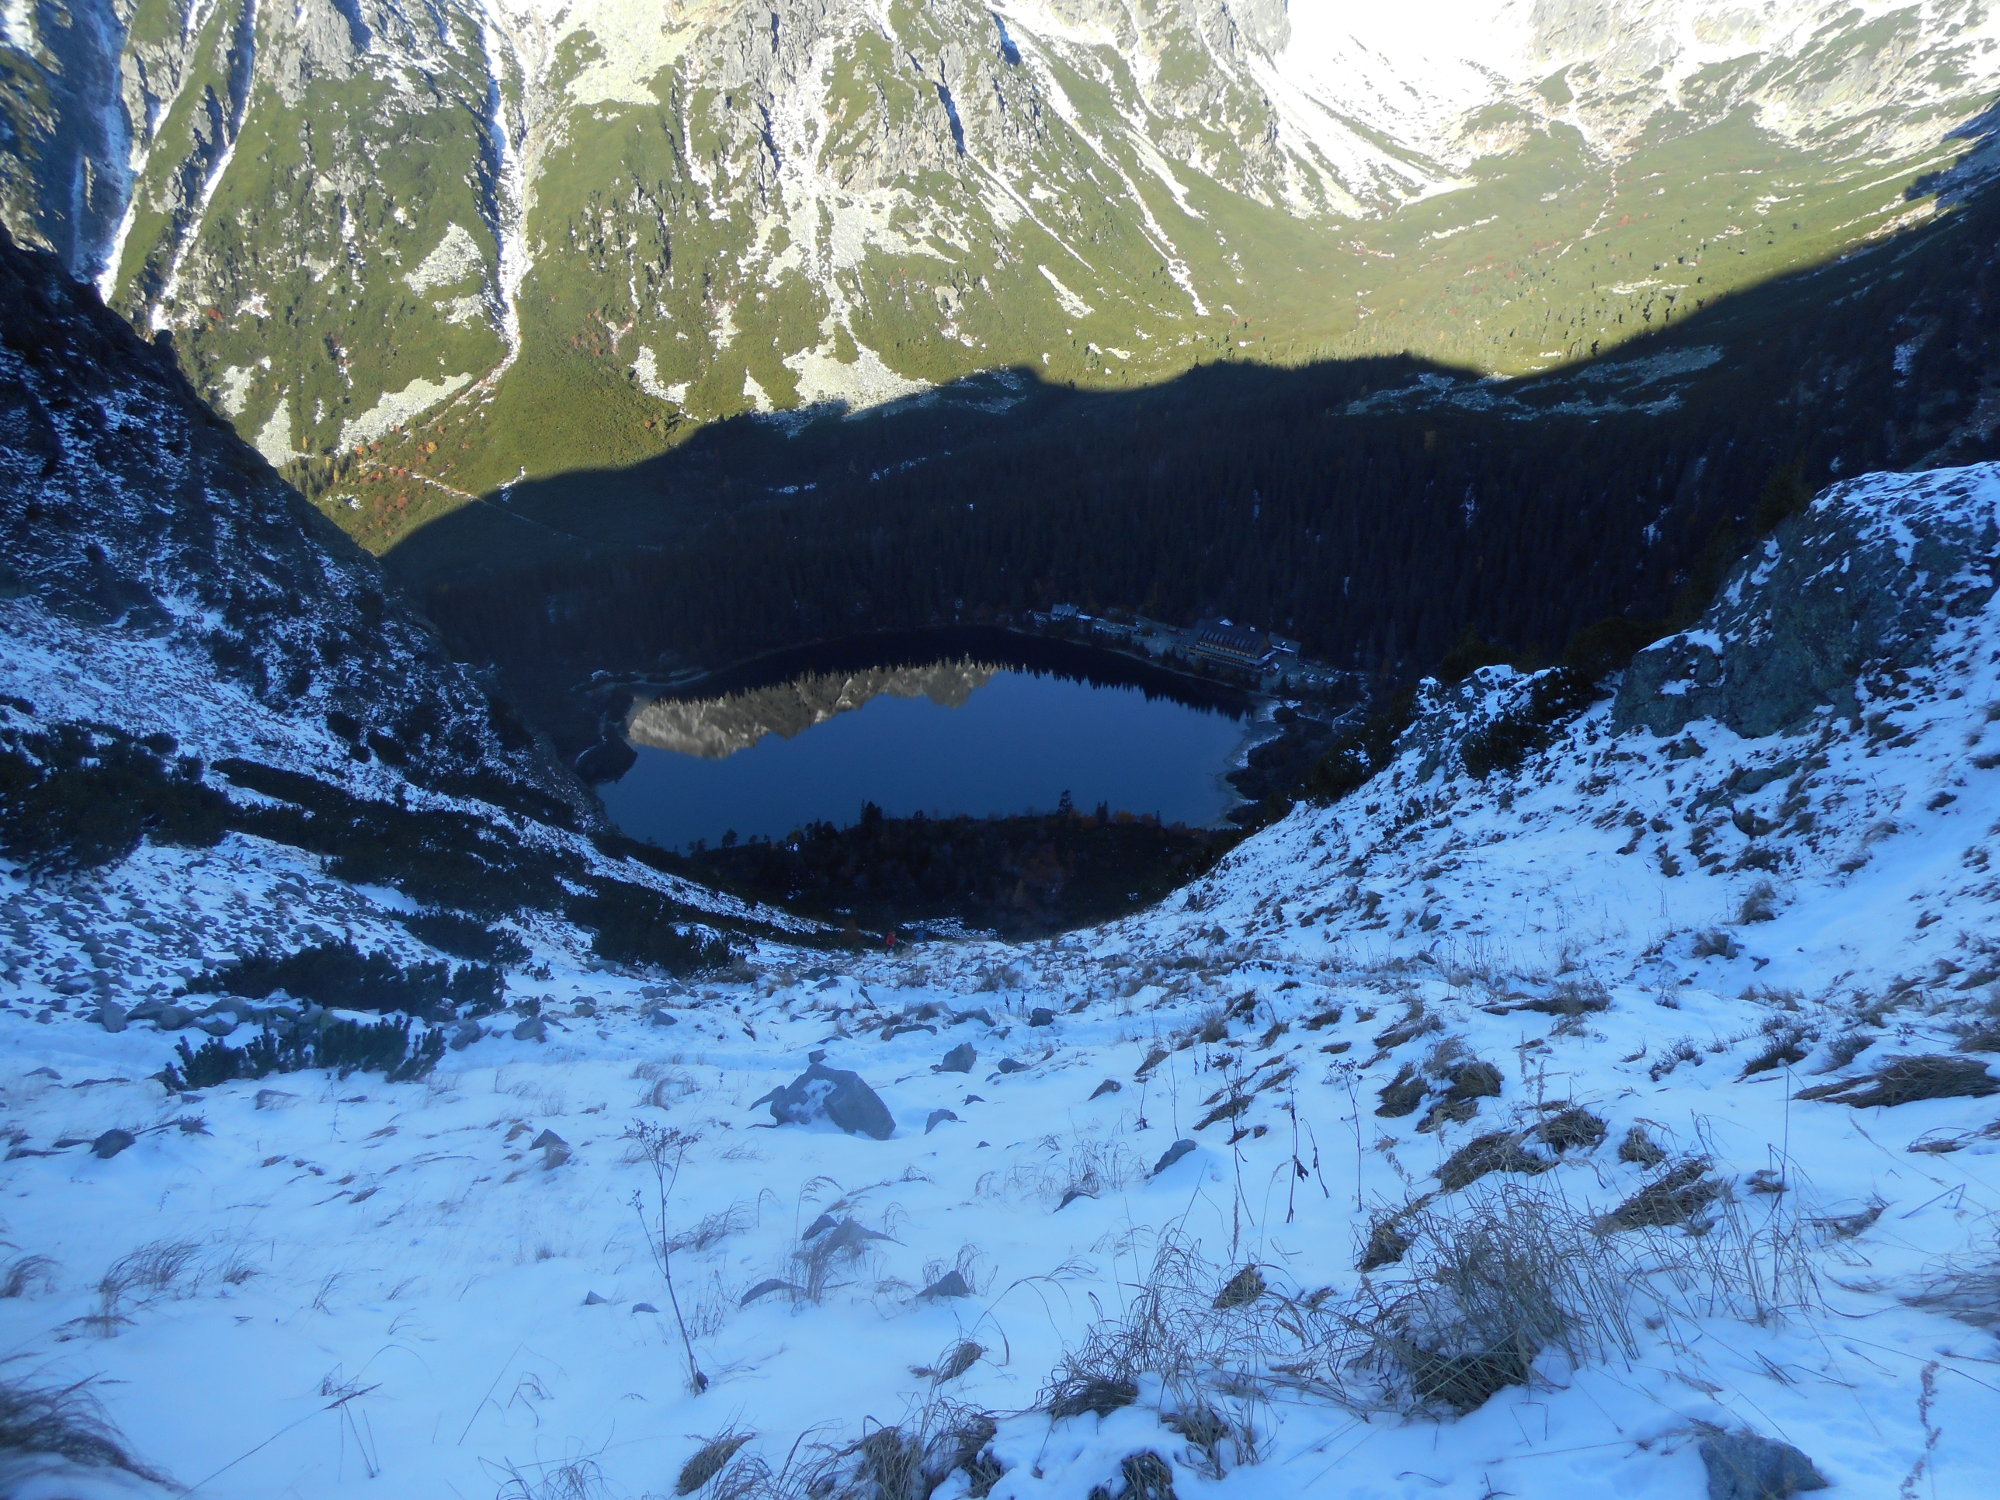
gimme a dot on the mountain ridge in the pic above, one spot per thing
(589, 248)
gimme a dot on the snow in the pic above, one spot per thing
(454, 257)
(1072, 304)
(397, 407)
(860, 383)
(274, 438)
(17, 24)
(390, 1285)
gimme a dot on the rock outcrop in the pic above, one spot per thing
(1864, 580)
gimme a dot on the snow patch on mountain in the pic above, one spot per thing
(397, 407)
(862, 382)
(274, 438)
(450, 261)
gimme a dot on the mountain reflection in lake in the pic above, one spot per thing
(943, 738)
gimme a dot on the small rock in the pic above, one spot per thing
(1744, 1466)
(533, 1029)
(555, 1150)
(1008, 1065)
(111, 1016)
(112, 1142)
(959, 1060)
(584, 1008)
(274, 1099)
(639, 1307)
(1109, 1086)
(1041, 1015)
(464, 1034)
(173, 1018)
(939, 1117)
(974, 1099)
(951, 1284)
(662, 1017)
(832, 1094)
(1171, 1155)
(45, 1073)
(591, 1299)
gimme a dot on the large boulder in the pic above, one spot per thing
(1869, 576)
(832, 1094)
(1744, 1466)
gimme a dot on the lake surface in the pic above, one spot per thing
(941, 738)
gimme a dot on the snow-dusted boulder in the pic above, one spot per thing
(836, 1095)
(1868, 576)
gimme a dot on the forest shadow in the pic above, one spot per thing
(1381, 510)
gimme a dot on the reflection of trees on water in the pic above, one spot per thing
(714, 728)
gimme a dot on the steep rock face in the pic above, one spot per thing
(590, 221)
(1866, 579)
(147, 551)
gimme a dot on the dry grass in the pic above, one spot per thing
(667, 1087)
(1496, 1151)
(953, 1363)
(910, 1461)
(572, 1479)
(709, 1460)
(1485, 1286)
(1086, 1166)
(1905, 1080)
(1640, 1148)
(1964, 1288)
(154, 1270)
(709, 1232)
(1675, 1197)
(25, 1273)
(65, 1421)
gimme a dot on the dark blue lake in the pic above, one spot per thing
(942, 738)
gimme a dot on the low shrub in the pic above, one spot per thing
(1509, 738)
(344, 1047)
(1360, 750)
(466, 937)
(341, 976)
(632, 925)
(79, 798)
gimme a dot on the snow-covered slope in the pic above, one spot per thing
(1616, 1019)
(206, 691)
